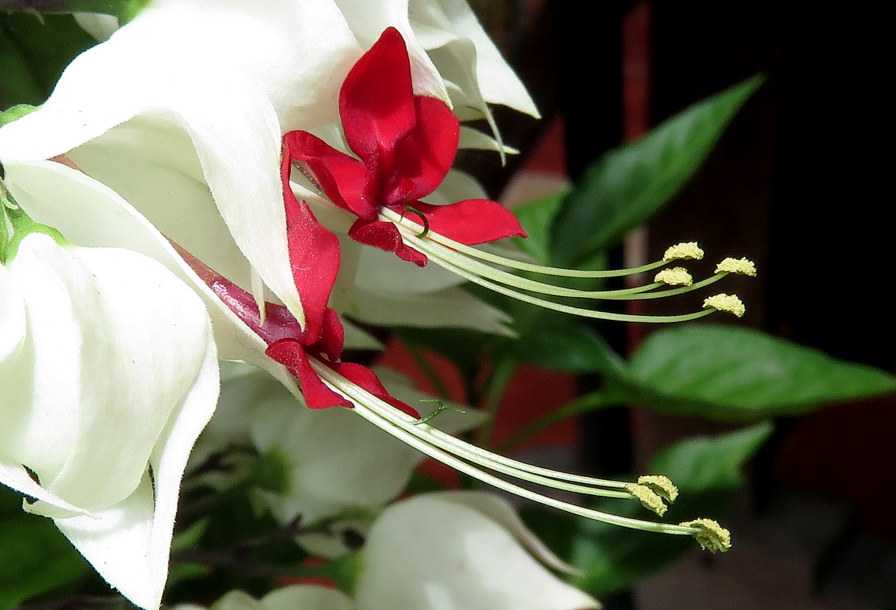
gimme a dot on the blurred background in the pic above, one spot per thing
(797, 184)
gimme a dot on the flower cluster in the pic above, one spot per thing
(165, 211)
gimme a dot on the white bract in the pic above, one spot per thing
(109, 373)
(334, 461)
(440, 551)
(453, 550)
(181, 112)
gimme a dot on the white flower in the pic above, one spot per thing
(459, 550)
(335, 460)
(181, 112)
(440, 551)
(295, 597)
(109, 373)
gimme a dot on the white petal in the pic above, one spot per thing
(91, 214)
(338, 459)
(123, 376)
(384, 273)
(428, 553)
(368, 19)
(222, 74)
(453, 19)
(451, 308)
(307, 597)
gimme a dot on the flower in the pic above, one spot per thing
(459, 550)
(445, 551)
(109, 373)
(182, 109)
(332, 460)
(406, 144)
(307, 597)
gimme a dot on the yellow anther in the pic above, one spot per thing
(674, 276)
(711, 536)
(726, 302)
(648, 498)
(661, 485)
(742, 266)
(684, 250)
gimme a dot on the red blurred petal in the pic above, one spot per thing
(291, 354)
(314, 259)
(367, 379)
(425, 155)
(343, 179)
(376, 101)
(385, 235)
(474, 221)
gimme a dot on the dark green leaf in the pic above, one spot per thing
(737, 374)
(537, 217)
(35, 558)
(33, 53)
(627, 185)
(125, 10)
(708, 474)
(560, 342)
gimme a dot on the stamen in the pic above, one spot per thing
(711, 536)
(423, 218)
(428, 441)
(470, 263)
(674, 276)
(742, 266)
(726, 302)
(649, 498)
(684, 251)
(661, 485)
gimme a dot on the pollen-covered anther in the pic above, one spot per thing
(661, 485)
(741, 266)
(648, 498)
(688, 250)
(726, 302)
(674, 276)
(711, 536)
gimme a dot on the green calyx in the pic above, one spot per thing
(16, 225)
(15, 112)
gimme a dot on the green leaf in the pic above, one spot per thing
(737, 374)
(707, 471)
(36, 559)
(537, 217)
(564, 343)
(33, 53)
(628, 184)
(125, 10)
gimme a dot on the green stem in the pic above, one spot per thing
(500, 377)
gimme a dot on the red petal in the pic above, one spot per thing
(376, 101)
(425, 155)
(291, 354)
(474, 221)
(332, 336)
(385, 235)
(343, 179)
(367, 379)
(314, 259)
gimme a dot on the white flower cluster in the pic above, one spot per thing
(157, 159)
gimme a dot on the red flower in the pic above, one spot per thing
(314, 258)
(405, 145)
